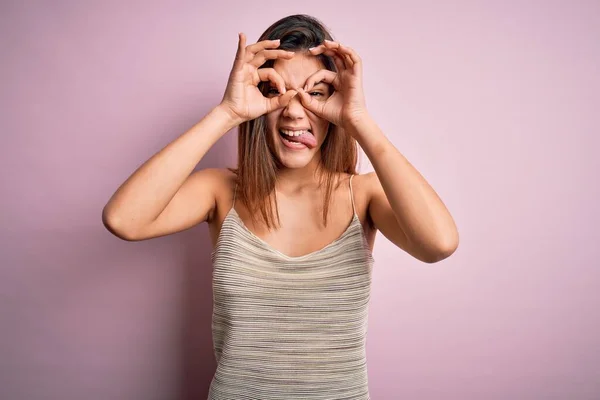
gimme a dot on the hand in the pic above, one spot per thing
(346, 106)
(242, 99)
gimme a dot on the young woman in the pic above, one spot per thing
(293, 226)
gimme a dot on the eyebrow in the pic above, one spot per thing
(316, 84)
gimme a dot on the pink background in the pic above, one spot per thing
(496, 103)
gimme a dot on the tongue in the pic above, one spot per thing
(306, 139)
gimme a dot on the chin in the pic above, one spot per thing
(295, 162)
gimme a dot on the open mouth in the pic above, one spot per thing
(297, 140)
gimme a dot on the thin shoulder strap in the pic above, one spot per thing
(352, 194)
(234, 193)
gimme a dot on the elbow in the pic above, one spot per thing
(443, 251)
(114, 225)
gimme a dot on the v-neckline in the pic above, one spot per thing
(272, 249)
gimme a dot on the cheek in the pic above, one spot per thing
(271, 120)
(322, 125)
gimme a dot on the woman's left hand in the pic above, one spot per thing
(346, 106)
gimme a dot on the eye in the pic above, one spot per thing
(316, 94)
(273, 91)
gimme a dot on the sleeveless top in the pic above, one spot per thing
(288, 327)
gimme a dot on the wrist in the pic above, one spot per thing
(359, 124)
(369, 136)
(229, 118)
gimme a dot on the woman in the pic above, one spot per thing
(292, 230)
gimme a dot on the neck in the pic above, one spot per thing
(292, 179)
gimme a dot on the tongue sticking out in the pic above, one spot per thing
(306, 138)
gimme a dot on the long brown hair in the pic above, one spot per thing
(258, 164)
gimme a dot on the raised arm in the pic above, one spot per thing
(163, 196)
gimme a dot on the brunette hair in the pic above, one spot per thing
(256, 172)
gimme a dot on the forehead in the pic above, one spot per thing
(296, 70)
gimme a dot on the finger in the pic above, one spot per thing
(264, 55)
(331, 43)
(338, 61)
(349, 61)
(323, 75)
(319, 50)
(337, 58)
(280, 101)
(263, 44)
(241, 50)
(335, 46)
(309, 103)
(351, 54)
(269, 74)
(340, 51)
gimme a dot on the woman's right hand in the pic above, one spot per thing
(242, 99)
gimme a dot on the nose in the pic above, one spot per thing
(294, 109)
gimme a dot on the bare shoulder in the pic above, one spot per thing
(363, 184)
(219, 176)
(371, 187)
(222, 182)
(362, 187)
(215, 177)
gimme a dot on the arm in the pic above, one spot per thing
(161, 196)
(402, 205)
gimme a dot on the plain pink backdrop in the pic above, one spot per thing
(496, 103)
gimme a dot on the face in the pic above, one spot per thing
(294, 117)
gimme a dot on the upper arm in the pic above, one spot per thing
(385, 220)
(193, 203)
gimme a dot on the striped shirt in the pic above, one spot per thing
(290, 327)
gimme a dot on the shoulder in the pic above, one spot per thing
(363, 184)
(368, 187)
(363, 187)
(371, 189)
(218, 178)
(220, 182)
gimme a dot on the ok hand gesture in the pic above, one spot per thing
(242, 99)
(346, 106)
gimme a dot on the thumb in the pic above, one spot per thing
(280, 101)
(308, 102)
